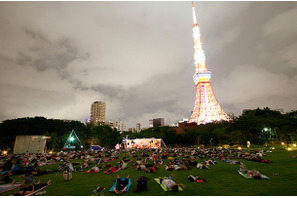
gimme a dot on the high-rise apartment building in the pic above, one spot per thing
(98, 111)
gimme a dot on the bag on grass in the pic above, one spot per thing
(67, 176)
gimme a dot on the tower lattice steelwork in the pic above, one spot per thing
(207, 109)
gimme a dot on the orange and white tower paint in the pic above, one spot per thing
(207, 109)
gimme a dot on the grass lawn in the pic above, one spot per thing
(222, 180)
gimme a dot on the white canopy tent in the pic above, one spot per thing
(143, 143)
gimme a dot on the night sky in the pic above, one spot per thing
(57, 58)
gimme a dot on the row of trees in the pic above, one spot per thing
(58, 130)
(257, 126)
(248, 127)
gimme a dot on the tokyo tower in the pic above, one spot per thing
(207, 109)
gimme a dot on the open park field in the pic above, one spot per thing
(222, 179)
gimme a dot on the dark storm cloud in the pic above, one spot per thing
(138, 57)
(251, 45)
(46, 54)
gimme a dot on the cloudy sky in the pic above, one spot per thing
(57, 58)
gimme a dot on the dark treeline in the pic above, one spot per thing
(248, 127)
(58, 130)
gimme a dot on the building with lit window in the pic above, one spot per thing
(119, 125)
(98, 112)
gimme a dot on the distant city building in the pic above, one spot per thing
(138, 127)
(176, 124)
(132, 130)
(184, 126)
(119, 125)
(151, 123)
(98, 111)
(158, 122)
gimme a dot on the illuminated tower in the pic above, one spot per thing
(207, 109)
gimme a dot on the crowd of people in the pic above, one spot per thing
(28, 166)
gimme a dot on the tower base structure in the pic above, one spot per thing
(207, 109)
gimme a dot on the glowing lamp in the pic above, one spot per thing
(265, 129)
(289, 149)
(71, 139)
(272, 148)
(294, 145)
(50, 152)
(239, 148)
(283, 143)
(4, 152)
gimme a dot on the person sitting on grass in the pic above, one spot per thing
(121, 185)
(169, 184)
(31, 188)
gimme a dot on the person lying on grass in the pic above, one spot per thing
(243, 169)
(30, 188)
(121, 185)
(170, 184)
(158, 162)
(254, 174)
(6, 187)
(95, 169)
(138, 161)
(152, 169)
(6, 177)
(202, 166)
(112, 169)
